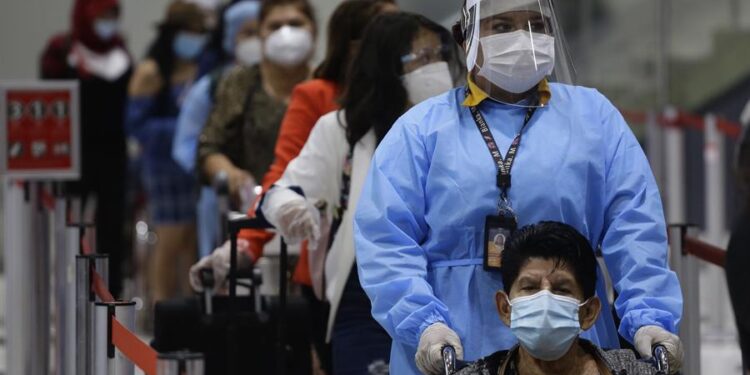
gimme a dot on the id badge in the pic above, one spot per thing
(497, 230)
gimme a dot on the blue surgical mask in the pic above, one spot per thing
(545, 324)
(187, 46)
(106, 29)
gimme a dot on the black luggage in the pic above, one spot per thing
(239, 334)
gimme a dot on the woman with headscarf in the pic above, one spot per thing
(94, 54)
(156, 93)
(240, 41)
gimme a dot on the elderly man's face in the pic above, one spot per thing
(543, 274)
(539, 274)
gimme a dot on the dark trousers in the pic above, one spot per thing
(319, 322)
(104, 177)
(360, 345)
(738, 278)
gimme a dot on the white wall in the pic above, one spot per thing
(26, 25)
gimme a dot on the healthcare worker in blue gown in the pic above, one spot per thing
(510, 149)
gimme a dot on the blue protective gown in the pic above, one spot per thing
(420, 220)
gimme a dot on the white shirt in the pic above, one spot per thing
(317, 171)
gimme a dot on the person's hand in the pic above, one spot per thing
(294, 217)
(429, 356)
(218, 261)
(648, 336)
(237, 178)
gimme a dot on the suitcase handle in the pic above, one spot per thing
(660, 359)
(234, 226)
(208, 281)
(449, 359)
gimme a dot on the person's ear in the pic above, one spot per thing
(588, 313)
(503, 307)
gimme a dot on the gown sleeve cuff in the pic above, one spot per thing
(414, 326)
(634, 320)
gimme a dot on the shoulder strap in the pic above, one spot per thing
(346, 181)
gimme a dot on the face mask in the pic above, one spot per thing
(289, 46)
(516, 64)
(187, 46)
(249, 51)
(106, 29)
(428, 81)
(545, 324)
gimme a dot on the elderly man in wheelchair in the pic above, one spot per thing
(549, 277)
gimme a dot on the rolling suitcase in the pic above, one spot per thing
(239, 334)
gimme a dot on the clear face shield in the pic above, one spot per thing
(513, 45)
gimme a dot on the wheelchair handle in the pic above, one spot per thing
(449, 359)
(660, 359)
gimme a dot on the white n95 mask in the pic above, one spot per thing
(249, 51)
(545, 324)
(427, 81)
(106, 29)
(517, 61)
(289, 46)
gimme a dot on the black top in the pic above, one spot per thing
(618, 361)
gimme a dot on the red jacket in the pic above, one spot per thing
(309, 102)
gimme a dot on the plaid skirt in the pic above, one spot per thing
(171, 193)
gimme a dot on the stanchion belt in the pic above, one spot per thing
(100, 287)
(705, 252)
(133, 348)
(48, 200)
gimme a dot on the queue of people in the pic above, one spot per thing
(403, 165)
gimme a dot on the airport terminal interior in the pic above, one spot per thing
(677, 71)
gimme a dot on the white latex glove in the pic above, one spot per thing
(294, 217)
(648, 336)
(218, 261)
(429, 356)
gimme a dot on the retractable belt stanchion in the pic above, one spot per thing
(686, 268)
(108, 360)
(85, 298)
(180, 363)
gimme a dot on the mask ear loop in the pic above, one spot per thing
(586, 301)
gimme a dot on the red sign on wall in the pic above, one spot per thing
(39, 130)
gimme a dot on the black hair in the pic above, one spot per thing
(180, 15)
(347, 24)
(375, 96)
(742, 165)
(216, 39)
(551, 240)
(161, 52)
(303, 6)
